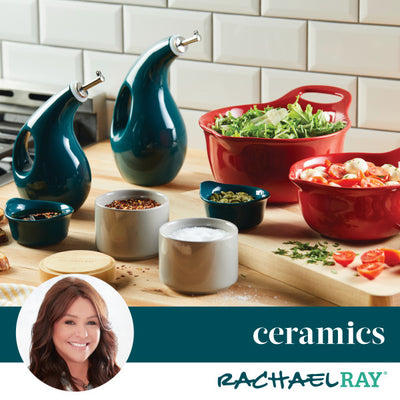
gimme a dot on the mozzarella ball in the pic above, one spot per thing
(320, 168)
(355, 165)
(350, 176)
(310, 173)
(394, 172)
(392, 183)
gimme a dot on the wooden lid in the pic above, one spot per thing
(78, 262)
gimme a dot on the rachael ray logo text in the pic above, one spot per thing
(281, 380)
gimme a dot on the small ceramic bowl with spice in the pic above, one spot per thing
(38, 223)
(198, 255)
(242, 205)
(127, 223)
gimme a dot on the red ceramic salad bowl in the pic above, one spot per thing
(264, 162)
(345, 213)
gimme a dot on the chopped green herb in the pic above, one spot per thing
(281, 252)
(314, 254)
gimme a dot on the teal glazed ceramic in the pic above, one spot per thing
(42, 232)
(244, 215)
(59, 170)
(148, 134)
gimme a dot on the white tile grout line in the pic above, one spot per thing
(38, 22)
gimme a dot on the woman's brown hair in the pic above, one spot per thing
(45, 362)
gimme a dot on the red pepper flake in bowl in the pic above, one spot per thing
(133, 204)
(38, 215)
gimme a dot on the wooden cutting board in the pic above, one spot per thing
(342, 286)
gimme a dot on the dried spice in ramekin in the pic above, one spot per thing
(133, 204)
(38, 215)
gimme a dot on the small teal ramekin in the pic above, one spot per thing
(42, 232)
(244, 215)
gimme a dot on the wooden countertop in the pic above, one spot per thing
(138, 281)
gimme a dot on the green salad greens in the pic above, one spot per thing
(277, 123)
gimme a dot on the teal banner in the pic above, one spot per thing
(247, 334)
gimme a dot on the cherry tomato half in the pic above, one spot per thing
(371, 181)
(370, 270)
(373, 256)
(378, 172)
(350, 182)
(336, 171)
(392, 257)
(344, 257)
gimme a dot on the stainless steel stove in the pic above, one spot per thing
(17, 104)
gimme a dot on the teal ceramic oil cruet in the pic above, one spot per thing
(59, 170)
(148, 134)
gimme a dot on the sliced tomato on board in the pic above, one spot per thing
(373, 256)
(344, 257)
(392, 256)
(370, 270)
(337, 171)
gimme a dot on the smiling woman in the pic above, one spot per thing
(73, 346)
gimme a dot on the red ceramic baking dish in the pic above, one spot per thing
(265, 163)
(354, 214)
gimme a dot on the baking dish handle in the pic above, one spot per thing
(342, 105)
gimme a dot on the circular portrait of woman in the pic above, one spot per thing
(72, 337)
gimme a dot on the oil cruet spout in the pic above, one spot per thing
(180, 43)
(82, 89)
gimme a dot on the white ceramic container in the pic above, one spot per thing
(197, 267)
(129, 234)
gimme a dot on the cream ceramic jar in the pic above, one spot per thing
(129, 234)
(198, 255)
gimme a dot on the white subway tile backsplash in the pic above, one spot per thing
(145, 26)
(195, 135)
(379, 104)
(354, 49)
(148, 3)
(113, 66)
(205, 86)
(260, 41)
(52, 66)
(251, 50)
(385, 12)
(19, 20)
(338, 10)
(251, 7)
(370, 141)
(68, 23)
(275, 83)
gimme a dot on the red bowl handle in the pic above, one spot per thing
(341, 105)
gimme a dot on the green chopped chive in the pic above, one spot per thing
(313, 253)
